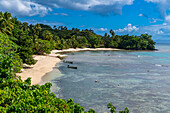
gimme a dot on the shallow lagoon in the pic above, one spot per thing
(139, 80)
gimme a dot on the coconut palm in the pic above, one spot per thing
(6, 24)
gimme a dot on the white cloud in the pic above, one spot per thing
(100, 30)
(42, 7)
(164, 24)
(128, 29)
(82, 26)
(143, 15)
(164, 5)
(140, 15)
(23, 7)
(100, 6)
(160, 32)
(50, 9)
(103, 29)
(51, 23)
(154, 20)
(63, 14)
(167, 18)
(158, 1)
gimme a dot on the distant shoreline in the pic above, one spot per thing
(45, 63)
(85, 49)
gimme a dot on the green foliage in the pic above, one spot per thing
(6, 44)
(43, 46)
(82, 41)
(94, 41)
(24, 41)
(125, 111)
(6, 25)
(6, 65)
(26, 49)
(108, 41)
(47, 35)
(10, 61)
(113, 109)
(143, 42)
(18, 96)
(91, 111)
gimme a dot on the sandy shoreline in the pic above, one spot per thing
(46, 63)
(85, 49)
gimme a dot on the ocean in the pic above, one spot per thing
(139, 80)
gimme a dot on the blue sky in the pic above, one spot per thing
(132, 17)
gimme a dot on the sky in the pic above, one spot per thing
(133, 17)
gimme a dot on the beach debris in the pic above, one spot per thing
(70, 62)
(72, 67)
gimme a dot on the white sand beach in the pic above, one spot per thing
(46, 63)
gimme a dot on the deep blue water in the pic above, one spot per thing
(139, 80)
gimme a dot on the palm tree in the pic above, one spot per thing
(36, 30)
(25, 27)
(112, 33)
(6, 24)
(47, 35)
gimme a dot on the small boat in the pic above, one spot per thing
(68, 62)
(73, 67)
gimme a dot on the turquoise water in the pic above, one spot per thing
(139, 80)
